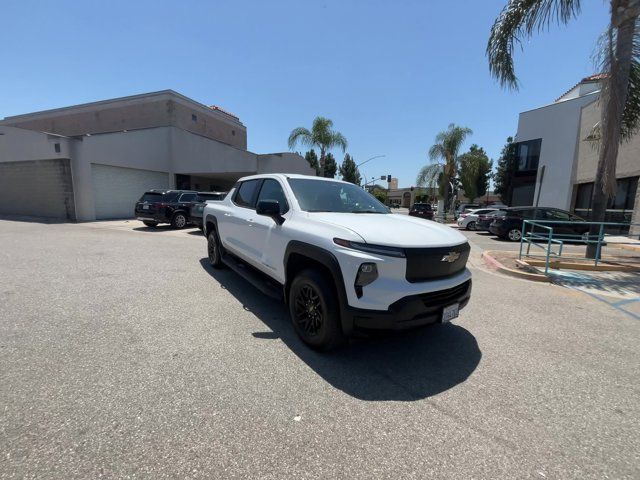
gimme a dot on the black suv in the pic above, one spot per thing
(195, 215)
(421, 210)
(165, 206)
(509, 224)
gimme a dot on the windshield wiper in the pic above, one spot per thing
(366, 211)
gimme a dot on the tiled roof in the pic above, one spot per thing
(591, 78)
(222, 110)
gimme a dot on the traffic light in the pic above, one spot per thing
(388, 178)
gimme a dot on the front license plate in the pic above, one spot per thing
(145, 207)
(450, 312)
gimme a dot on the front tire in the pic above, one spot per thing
(314, 312)
(213, 250)
(179, 221)
(151, 224)
(514, 235)
(471, 226)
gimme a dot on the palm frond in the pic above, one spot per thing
(437, 152)
(429, 175)
(321, 129)
(301, 135)
(338, 140)
(519, 20)
(631, 114)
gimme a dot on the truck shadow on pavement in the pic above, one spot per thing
(405, 366)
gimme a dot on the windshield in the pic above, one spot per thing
(327, 196)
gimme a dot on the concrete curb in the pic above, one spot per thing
(493, 263)
(633, 248)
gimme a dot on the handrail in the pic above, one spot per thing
(545, 240)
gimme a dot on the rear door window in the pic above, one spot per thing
(557, 215)
(188, 197)
(246, 194)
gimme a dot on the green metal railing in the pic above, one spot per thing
(541, 235)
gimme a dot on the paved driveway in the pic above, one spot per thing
(123, 354)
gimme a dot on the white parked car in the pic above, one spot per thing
(469, 219)
(337, 256)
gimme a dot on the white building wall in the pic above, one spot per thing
(558, 125)
(284, 163)
(168, 150)
(18, 144)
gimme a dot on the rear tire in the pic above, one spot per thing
(514, 235)
(213, 250)
(179, 221)
(151, 224)
(314, 311)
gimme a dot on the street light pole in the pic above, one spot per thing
(369, 159)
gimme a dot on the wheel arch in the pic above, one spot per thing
(210, 221)
(300, 256)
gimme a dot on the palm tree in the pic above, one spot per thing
(321, 136)
(444, 157)
(619, 59)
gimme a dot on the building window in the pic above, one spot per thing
(194, 117)
(56, 147)
(583, 196)
(619, 208)
(527, 155)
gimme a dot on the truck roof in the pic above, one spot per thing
(284, 176)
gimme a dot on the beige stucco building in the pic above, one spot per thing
(93, 161)
(554, 139)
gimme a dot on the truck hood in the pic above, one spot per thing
(395, 230)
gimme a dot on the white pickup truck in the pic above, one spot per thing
(337, 256)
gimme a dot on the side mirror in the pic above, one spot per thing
(270, 208)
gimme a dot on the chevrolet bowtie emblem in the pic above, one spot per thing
(450, 257)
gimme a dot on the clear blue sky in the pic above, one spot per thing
(390, 74)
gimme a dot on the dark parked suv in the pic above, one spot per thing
(195, 215)
(422, 210)
(509, 225)
(165, 206)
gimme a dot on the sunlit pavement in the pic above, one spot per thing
(124, 355)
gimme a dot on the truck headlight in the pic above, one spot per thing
(369, 248)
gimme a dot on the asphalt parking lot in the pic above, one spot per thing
(124, 355)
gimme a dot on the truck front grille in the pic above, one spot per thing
(430, 263)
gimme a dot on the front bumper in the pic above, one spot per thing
(411, 311)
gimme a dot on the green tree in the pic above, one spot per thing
(474, 172)
(619, 59)
(504, 172)
(321, 136)
(312, 158)
(349, 170)
(444, 157)
(381, 196)
(330, 166)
